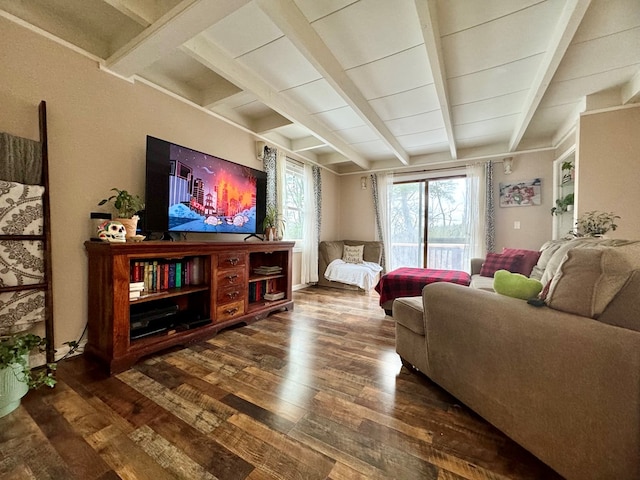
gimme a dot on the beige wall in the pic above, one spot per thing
(331, 193)
(535, 221)
(608, 171)
(97, 131)
(357, 217)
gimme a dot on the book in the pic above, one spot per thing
(136, 286)
(266, 270)
(273, 296)
(134, 295)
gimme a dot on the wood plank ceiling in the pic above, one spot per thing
(358, 85)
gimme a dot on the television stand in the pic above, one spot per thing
(253, 235)
(219, 285)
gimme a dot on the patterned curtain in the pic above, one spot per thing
(380, 216)
(272, 181)
(309, 260)
(489, 214)
(317, 193)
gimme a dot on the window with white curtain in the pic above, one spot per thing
(293, 200)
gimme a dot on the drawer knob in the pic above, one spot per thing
(233, 294)
(231, 311)
(232, 278)
(233, 261)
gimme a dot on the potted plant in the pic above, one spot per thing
(564, 204)
(16, 376)
(273, 223)
(595, 224)
(568, 170)
(126, 206)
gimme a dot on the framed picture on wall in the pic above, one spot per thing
(525, 193)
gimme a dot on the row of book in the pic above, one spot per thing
(163, 274)
(264, 290)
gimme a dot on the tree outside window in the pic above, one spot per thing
(293, 202)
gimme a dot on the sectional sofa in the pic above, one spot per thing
(562, 379)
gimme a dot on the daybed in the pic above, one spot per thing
(329, 251)
(563, 380)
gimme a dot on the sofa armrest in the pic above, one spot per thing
(552, 381)
(476, 265)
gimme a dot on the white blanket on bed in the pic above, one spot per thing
(364, 274)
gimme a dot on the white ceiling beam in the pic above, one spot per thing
(219, 92)
(428, 15)
(142, 13)
(331, 159)
(270, 122)
(631, 90)
(288, 17)
(218, 60)
(184, 21)
(306, 143)
(568, 23)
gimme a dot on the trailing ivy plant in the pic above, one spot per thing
(15, 350)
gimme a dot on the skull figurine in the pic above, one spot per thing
(111, 231)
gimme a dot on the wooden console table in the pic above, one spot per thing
(221, 284)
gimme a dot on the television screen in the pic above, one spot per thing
(191, 191)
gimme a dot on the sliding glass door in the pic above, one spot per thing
(427, 224)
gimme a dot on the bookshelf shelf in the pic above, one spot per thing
(171, 292)
(217, 289)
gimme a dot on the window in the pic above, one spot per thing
(433, 210)
(293, 201)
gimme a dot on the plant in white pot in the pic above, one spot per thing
(273, 223)
(16, 375)
(595, 224)
(126, 206)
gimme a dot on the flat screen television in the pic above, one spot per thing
(191, 191)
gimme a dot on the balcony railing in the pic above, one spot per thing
(441, 255)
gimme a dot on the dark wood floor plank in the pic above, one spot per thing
(382, 456)
(67, 438)
(203, 420)
(203, 449)
(317, 392)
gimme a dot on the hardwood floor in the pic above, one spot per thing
(315, 393)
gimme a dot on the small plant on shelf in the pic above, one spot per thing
(563, 205)
(568, 170)
(125, 204)
(273, 222)
(595, 224)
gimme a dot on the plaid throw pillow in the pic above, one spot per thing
(529, 259)
(497, 261)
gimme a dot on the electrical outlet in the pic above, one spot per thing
(516, 225)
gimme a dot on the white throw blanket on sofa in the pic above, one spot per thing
(364, 275)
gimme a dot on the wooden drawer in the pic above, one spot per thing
(231, 277)
(231, 259)
(230, 294)
(229, 311)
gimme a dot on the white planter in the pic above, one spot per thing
(11, 389)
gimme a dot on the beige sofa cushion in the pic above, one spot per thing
(560, 252)
(590, 278)
(624, 309)
(409, 312)
(546, 252)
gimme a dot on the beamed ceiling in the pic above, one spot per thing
(359, 85)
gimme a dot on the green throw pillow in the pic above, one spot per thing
(516, 285)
